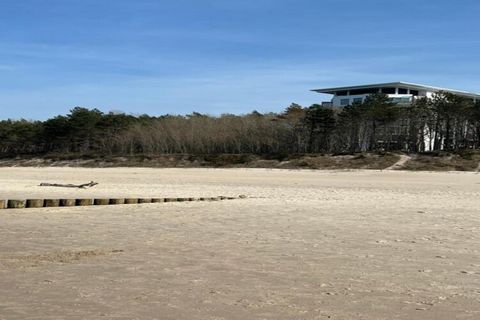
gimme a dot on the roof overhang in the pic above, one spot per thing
(399, 84)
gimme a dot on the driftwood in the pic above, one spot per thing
(81, 186)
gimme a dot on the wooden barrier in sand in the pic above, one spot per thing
(52, 203)
(131, 200)
(35, 203)
(101, 202)
(83, 202)
(117, 201)
(16, 204)
(67, 202)
(39, 203)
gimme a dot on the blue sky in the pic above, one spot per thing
(221, 56)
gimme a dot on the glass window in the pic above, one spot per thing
(414, 92)
(364, 91)
(357, 100)
(403, 100)
(344, 102)
(388, 90)
(402, 91)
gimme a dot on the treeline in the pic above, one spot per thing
(444, 122)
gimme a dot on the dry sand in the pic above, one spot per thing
(308, 245)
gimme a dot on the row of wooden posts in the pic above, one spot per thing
(40, 203)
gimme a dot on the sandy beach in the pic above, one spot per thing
(304, 245)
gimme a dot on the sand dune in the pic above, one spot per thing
(304, 245)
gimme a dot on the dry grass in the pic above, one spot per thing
(468, 161)
(439, 161)
(356, 161)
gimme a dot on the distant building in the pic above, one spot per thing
(399, 92)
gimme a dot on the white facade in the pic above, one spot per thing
(399, 92)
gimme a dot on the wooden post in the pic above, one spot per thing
(145, 200)
(158, 200)
(3, 204)
(16, 204)
(52, 202)
(83, 202)
(34, 203)
(170, 199)
(101, 202)
(131, 200)
(117, 201)
(67, 202)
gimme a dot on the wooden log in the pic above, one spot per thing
(52, 203)
(101, 202)
(145, 200)
(158, 200)
(242, 196)
(182, 199)
(231, 198)
(69, 185)
(214, 198)
(67, 202)
(192, 199)
(117, 201)
(16, 204)
(3, 204)
(202, 199)
(170, 199)
(83, 202)
(34, 203)
(131, 200)
(222, 198)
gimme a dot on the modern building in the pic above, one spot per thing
(399, 92)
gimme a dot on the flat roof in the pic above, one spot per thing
(401, 84)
